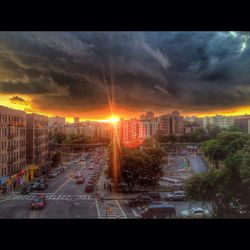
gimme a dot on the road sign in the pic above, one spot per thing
(184, 164)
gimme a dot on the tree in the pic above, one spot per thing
(214, 151)
(56, 159)
(136, 167)
(59, 137)
(227, 189)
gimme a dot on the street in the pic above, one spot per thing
(66, 199)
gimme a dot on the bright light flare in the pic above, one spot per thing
(113, 119)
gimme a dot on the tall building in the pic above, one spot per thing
(103, 131)
(76, 120)
(130, 130)
(12, 140)
(147, 129)
(218, 120)
(148, 116)
(71, 129)
(172, 124)
(57, 125)
(243, 123)
(37, 140)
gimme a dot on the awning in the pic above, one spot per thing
(3, 179)
(32, 167)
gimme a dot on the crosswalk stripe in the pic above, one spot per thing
(54, 197)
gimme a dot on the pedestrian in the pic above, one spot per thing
(104, 185)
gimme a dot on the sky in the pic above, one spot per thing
(93, 75)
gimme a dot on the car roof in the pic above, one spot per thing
(197, 209)
(161, 205)
(39, 196)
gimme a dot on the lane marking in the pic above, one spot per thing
(66, 182)
(121, 209)
(97, 207)
(135, 213)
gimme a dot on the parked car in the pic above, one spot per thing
(39, 201)
(154, 195)
(89, 188)
(141, 201)
(78, 175)
(42, 186)
(176, 196)
(90, 168)
(159, 210)
(80, 180)
(52, 175)
(26, 190)
(195, 212)
(35, 185)
(61, 170)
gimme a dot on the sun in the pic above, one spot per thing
(113, 119)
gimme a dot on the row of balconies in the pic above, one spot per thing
(14, 123)
(12, 147)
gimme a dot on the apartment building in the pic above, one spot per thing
(12, 140)
(243, 123)
(218, 120)
(37, 139)
(172, 124)
(57, 125)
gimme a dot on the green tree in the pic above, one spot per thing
(137, 167)
(214, 151)
(227, 189)
(59, 137)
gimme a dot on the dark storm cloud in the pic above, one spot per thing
(18, 100)
(148, 70)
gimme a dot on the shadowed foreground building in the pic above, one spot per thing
(37, 140)
(12, 140)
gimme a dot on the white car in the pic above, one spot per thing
(195, 212)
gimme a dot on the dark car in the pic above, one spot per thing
(27, 189)
(42, 186)
(89, 188)
(154, 195)
(80, 180)
(35, 185)
(159, 210)
(61, 170)
(141, 201)
(39, 201)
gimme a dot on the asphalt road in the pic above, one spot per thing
(198, 165)
(66, 199)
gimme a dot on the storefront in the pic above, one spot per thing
(30, 172)
(3, 180)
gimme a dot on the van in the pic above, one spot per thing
(171, 181)
(159, 210)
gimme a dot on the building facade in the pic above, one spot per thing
(12, 140)
(172, 124)
(243, 123)
(219, 121)
(57, 125)
(37, 140)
